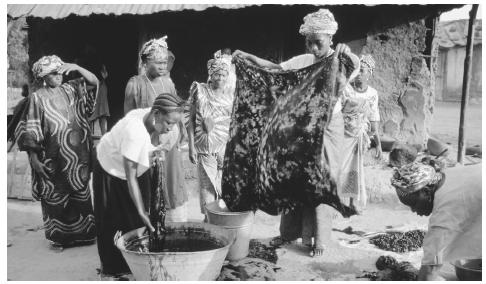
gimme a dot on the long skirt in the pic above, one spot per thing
(308, 223)
(71, 223)
(209, 178)
(352, 170)
(115, 211)
(176, 197)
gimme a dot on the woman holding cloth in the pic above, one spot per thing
(122, 176)
(318, 29)
(208, 128)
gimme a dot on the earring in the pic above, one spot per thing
(44, 83)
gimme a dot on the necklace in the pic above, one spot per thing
(153, 89)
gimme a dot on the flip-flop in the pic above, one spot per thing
(313, 252)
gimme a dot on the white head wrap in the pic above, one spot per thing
(321, 21)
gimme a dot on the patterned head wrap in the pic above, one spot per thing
(226, 57)
(367, 60)
(218, 64)
(168, 102)
(155, 48)
(318, 22)
(46, 65)
(414, 177)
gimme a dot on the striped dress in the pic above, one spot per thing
(55, 125)
(210, 145)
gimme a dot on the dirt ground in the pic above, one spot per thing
(30, 258)
(445, 124)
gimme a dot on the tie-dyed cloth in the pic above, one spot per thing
(275, 158)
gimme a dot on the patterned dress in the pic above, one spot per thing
(55, 126)
(210, 146)
(360, 108)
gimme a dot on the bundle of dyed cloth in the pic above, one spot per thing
(392, 270)
(274, 158)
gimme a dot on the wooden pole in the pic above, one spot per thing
(461, 152)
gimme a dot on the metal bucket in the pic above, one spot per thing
(468, 269)
(183, 266)
(238, 222)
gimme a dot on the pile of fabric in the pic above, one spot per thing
(259, 250)
(274, 159)
(392, 270)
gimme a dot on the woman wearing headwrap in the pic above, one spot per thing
(208, 128)
(361, 115)
(318, 29)
(141, 90)
(54, 130)
(452, 200)
(122, 179)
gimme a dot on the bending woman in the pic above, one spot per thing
(122, 178)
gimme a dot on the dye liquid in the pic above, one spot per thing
(186, 240)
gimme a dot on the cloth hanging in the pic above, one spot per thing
(275, 158)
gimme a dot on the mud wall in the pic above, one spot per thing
(403, 80)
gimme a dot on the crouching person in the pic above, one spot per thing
(452, 199)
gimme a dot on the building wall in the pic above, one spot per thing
(451, 72)
(403, 81)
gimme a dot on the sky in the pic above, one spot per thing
(461, 13)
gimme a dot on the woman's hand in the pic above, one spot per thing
(240, 53)
(379, 151)
(208, 124)
(342, 48)
(192, 154)
(66, 68)
(146, 220)
(39, 167)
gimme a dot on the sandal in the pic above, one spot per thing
(315, 252)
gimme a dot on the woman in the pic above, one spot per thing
(208, 128)
(54, 130)
(141, 90)
(122, 179)
(318, 29)
(102, 110)
(361, 114)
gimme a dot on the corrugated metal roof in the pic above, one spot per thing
(58, 11)
(454, 33)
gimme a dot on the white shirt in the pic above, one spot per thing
(455, 223)
(130, 139)
(305, 60)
